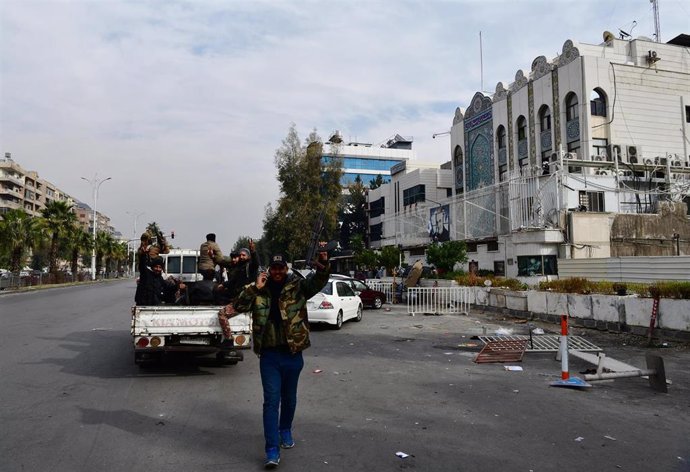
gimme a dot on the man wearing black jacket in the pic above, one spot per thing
(153, 289)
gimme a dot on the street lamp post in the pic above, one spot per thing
(95, 184)
(134, 239)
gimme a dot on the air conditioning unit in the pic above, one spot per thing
(676, 163)
(633, 153)
(602, 172)
(662, 161)
(616, 151)
(649, 162)
(625, 173)
(598, 158)
(555, 156)
(572, 156)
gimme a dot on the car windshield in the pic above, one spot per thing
(359, 285)
(327, 289)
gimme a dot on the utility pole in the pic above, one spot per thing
(95, 184)
(657, 27)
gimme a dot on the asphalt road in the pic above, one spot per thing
(72, 399)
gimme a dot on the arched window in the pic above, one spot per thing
(457, 156)
(502, 154)
(521, 128)
(597, 102)
(544, 118)
(522, 147)
(571, 108)
(501, 137)
(459, 171)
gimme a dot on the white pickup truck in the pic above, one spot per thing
(193, 329)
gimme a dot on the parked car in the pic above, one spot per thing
(336, 303)
(370, 297)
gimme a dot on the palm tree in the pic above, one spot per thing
(19, 233)
(80, 243)
(57, 220)
(104, 249)
(120, 254)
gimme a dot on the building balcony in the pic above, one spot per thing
(8, 178)
(9, 191)
(10, 204)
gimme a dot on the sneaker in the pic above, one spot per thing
(286, 441)
(272, 458)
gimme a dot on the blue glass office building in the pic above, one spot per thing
(366, 160)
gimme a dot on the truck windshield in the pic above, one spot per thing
(189, 265)
(173, 265)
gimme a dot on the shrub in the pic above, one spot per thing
(670, 289)
(572, 285)
(472, 280)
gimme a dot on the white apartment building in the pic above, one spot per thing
(556, 164)
(20, 188)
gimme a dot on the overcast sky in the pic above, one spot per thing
(183, 104)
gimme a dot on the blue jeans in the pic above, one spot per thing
(279, 376)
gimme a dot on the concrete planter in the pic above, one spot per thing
(556, 303)
(516, 300)
(674, 314)
(607, 308)
(610, 312)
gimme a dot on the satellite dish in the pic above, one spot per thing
(608, 36)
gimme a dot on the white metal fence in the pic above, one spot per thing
(385, 287)
(438, 300)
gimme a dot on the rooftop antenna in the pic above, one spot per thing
(657, 28)
(481, 63)
(625, 34)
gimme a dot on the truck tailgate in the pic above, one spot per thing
(188, 320)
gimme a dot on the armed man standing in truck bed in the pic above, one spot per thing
(278, 304)
(210, 255)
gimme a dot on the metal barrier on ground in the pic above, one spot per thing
(438, 300)
(385, 287)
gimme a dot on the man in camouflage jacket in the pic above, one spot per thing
(278, 304)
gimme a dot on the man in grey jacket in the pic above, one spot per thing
(210, 255)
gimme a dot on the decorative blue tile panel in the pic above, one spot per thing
(522, 148)
(479, 138)
(545, 138)
(572, 130)
(481, 166)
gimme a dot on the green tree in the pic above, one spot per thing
(57, 219)
(445, 255)
(363, 257)
(376, 182)
(242, 241)
(389, 257)
(353, 213)
(80, 244)
(104, 249)
(307, 187)
(119, 255)
(19, 233)
(271, 241)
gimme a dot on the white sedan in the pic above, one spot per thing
(335, 304)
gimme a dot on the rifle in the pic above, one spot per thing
(315, 244)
